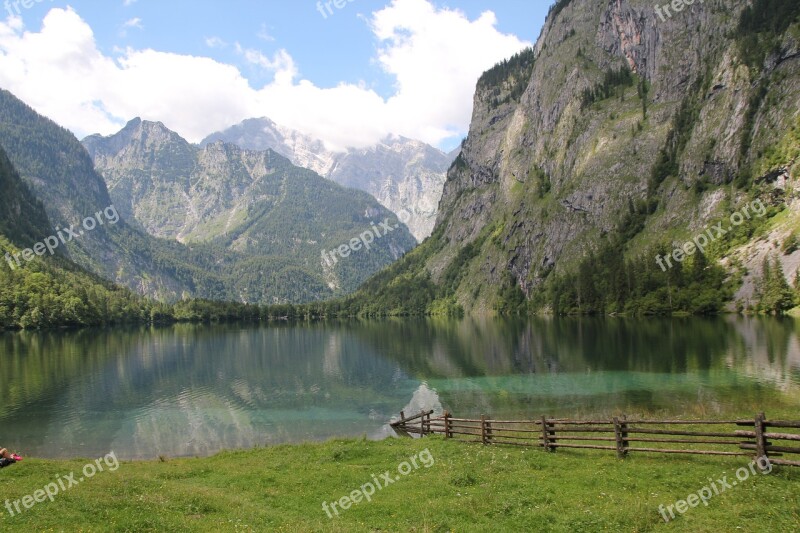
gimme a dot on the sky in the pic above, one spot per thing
(349, 75)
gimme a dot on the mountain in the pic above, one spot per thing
(23, 219)
(269, 251)
(59, 172)
(40, 289)
(616, 140)
(49, 290)
(406, 176)
(274, 217)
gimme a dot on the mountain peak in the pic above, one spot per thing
(138, 126)
(153, 126)
(148, 134)
(252, 134)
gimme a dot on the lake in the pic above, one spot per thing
(193, 390)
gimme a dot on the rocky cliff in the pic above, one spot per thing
(628, 127)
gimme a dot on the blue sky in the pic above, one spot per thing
(361, 58)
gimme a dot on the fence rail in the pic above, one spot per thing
(621, 435)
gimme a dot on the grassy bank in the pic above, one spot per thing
(467, 488)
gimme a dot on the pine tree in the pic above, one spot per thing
(796, 286)
(783, 292)
(698, 266)
(775, 295)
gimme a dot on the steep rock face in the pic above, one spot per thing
(403, 174)
(549, 167)
(130, 162)
(276, 219)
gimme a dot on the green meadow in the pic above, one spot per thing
(467, 487)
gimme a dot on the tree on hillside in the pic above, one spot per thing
(773, 291)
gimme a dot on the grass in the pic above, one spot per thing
(469, 487)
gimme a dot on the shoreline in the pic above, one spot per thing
(466, 488)
(775, 413)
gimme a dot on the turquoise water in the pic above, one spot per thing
(193, 390)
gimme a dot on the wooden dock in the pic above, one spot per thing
(779, 440)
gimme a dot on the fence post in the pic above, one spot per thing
(483, 429)
(624, 428)
(620, 434)
(761, 442)
(422, 423)
(546, 436)
(447, 433)
(488, 431)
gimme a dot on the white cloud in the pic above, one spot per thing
(135, 22)
(281, 63)
(435, 56)
(215, 42)
(264, 34)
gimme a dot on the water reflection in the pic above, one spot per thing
(601, 367)
(190, 390)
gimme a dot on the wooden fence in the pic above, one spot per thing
(621, 435)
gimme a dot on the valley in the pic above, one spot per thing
(512, 266)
